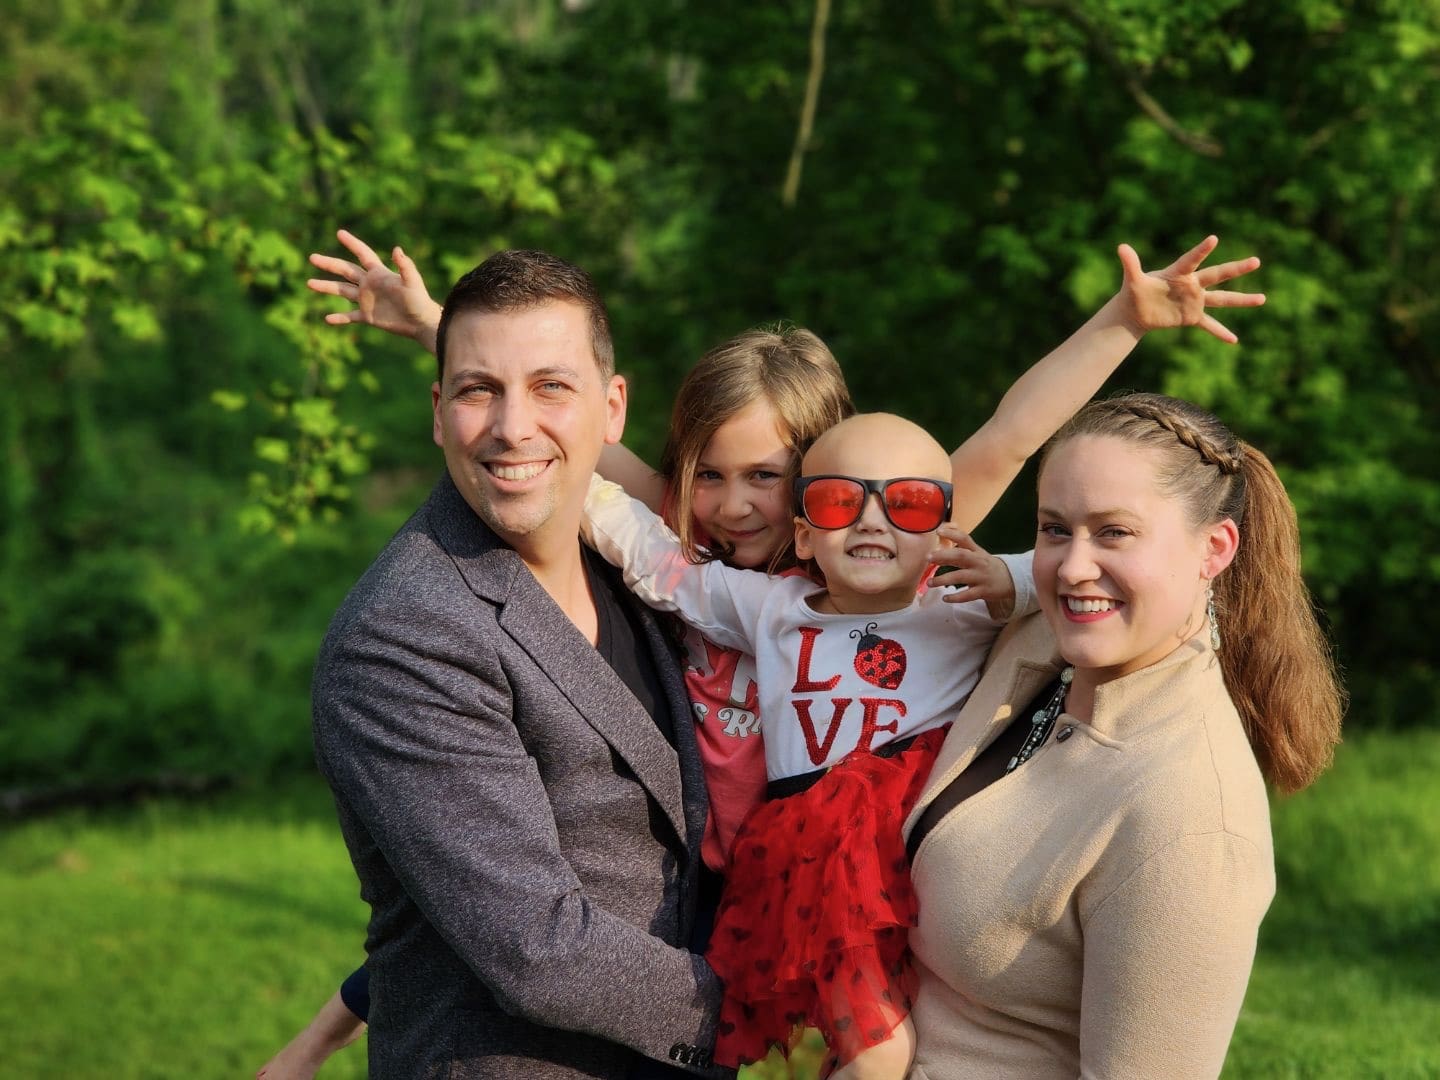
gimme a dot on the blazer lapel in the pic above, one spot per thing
(598, 694)
(532, 619)
(696, 803)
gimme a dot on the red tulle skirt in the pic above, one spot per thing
(813, 927)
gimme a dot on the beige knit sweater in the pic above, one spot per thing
(1093, 913)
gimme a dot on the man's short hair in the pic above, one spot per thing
(514, 280)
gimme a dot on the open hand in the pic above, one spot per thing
(1179, 294)
(394, 301)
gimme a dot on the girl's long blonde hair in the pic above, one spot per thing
(787, 366)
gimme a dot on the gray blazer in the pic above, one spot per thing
(526, 838)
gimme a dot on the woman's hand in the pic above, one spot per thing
(395, 302)
(1179, 294)
(974, 573)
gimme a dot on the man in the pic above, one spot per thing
(505, 731)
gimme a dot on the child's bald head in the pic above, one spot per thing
(877, 446)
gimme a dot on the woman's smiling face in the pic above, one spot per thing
(1120, 572)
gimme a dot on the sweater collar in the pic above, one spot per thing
(1132, 703)
(1122, 707)
(1025, 658)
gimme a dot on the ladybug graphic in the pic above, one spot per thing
(880, 661)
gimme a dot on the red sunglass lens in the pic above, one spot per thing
(833, 503)
(915, 505)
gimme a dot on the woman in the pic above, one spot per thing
(1092, 851)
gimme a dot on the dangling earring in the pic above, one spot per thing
(1210, 616)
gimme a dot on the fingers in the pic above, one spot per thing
(1222, 298)
(1129, 262)
(1226, 271)
(363, 252)
(344, 318)
(341, 268)
(961, 595)
(331, 287)
(951, 576)
(409, 273)
(1191, 260)
(1212, 325)
(332, 265)
(962, 585)
(957, 537)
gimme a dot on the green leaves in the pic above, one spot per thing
(171, 383)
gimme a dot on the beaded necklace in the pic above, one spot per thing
(1043, 722)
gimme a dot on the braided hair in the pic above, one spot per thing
(1275, 659)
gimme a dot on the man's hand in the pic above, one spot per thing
(395, 302)
(1179, 294)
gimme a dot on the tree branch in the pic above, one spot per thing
(1196, 141)
(807, 110)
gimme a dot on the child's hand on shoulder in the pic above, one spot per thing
(973, 573)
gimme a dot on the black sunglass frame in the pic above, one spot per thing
(874, 487)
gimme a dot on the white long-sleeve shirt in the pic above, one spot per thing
(828, 684)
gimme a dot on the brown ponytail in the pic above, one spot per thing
(1276, 661)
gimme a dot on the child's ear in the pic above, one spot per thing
(804, 549)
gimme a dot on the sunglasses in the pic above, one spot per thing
(912, 503)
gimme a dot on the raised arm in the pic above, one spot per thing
(621, 465)
(1054, 388)
(722, 602)
(392, 300)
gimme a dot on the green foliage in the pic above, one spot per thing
(181, 423)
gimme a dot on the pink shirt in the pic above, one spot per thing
(721, 684)
(726, 708)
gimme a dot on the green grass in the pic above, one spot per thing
(177, 939)
(1347, 981)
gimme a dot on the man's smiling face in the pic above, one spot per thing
(522, 414)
